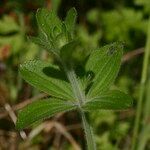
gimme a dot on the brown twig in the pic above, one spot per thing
(57, 140)
(132, 54)
(14, 119)
(67, 135)
(12, 115)
(74, 126)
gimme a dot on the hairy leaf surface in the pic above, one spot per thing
(47, 78)
(112, 100)
(71, 20)
(47, 21)
(43, 42)
(40, 110)
(105, 64)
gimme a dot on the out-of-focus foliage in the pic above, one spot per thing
(13, 38)
(145, 4)
(124, 24)
(117, 130)
(13, 44)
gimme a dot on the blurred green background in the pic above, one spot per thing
(99, 22)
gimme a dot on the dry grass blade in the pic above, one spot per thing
(14, 119)
(47, 126)
(68, 136)
(44, 126)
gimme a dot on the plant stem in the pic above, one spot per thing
(88, 132)
(75, 86)
(144, 137)
(142, 90)
(81, 99)
(146, 113)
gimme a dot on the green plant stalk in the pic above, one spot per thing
(75, 86)
(146, 114)
(81, 97)
(88, 132)
(144, 137)
(145, 133)
(142, 90)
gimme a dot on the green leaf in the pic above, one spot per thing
(50, 26)
(40, 110)
(71, 20)
(47, 21)
(67, 51)
(104, 64)
(61, 38)
(47, 78)
(54, 33)
(42, 42)
(112, 100)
